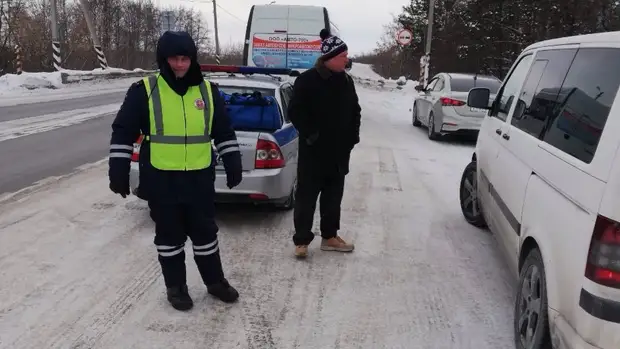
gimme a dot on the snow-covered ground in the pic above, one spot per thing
(79, 269)
(42, 87)
(364, 71)
(366, 76)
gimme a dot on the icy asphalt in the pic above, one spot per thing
(79, 269)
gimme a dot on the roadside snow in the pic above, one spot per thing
(364, 71)
(80, 270)
(366, 76)
(29, 81)
(43, 87)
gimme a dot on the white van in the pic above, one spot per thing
(285, 36)
(545, 178)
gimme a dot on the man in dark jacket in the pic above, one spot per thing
(178, 112)
(326, 112)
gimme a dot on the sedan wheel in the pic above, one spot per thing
(414, 117)
(431, 127)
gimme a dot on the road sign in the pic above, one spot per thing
(404, 37)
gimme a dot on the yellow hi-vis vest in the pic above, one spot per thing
(180, 126)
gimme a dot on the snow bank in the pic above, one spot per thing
(53, 80)
(41, 87)
(364, 71)
(364, 74)
(30, 81)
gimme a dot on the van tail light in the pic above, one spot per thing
(449, 102)
(603, 266)
(268, 155)
(135, 156)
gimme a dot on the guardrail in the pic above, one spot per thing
(71, 78)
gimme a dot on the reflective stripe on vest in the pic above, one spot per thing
(180, 126)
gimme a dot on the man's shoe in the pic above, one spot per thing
(336, 244)
(179, 298)
(301, 251)
(223, 291)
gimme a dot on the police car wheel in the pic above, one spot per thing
(290, 201)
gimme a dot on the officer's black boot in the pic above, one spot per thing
(210, 268)
(223, 291)
(173, 269)
(179, 298)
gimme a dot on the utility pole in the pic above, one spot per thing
(55, 36)
(426, 60)
(103, 63)
(217, 37)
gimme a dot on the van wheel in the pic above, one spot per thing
(290, 202)
(432, 135)
(468, 193)
(414, 117)
(531, 325)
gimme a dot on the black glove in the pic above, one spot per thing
(234, 169)
(119, 176)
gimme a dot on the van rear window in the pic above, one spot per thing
(294, 51)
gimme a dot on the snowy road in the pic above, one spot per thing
(52, 138)
(79, 269)
(21, 111)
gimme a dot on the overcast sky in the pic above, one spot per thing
(360, 22)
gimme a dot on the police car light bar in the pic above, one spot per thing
(213, 68)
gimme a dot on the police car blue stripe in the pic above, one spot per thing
(286, 135)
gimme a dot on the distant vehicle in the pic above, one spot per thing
(545, 179)
(285, 36)
(441, 106)
(268, 147)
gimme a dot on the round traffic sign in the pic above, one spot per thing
(404, 37)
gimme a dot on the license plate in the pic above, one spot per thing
(477, 110)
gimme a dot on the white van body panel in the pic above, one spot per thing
(537, 191)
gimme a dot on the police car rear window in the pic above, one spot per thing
(229, 90)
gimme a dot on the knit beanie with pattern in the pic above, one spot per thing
(331, 46)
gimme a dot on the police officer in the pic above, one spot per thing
(179, 114)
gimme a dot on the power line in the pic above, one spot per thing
(230, 14)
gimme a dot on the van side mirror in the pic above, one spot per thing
(478, 97)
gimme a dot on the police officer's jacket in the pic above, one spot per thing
(181, 169)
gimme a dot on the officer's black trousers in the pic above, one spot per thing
(173, 224)
(311, 184)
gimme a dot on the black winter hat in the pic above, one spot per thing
(331, 46)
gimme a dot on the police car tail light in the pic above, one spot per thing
(268, 155)
(603, 265)
(135, 156)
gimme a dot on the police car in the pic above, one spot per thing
(269, 156)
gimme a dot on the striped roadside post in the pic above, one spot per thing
(18, 59)
(56, 55)
(103, 63)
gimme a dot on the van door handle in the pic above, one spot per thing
(498, 131)
(505, 136)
